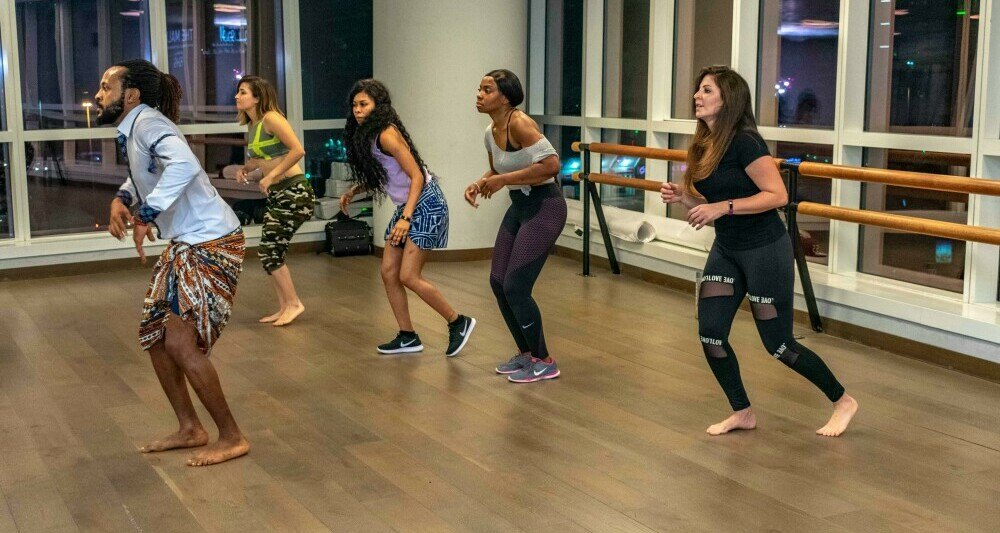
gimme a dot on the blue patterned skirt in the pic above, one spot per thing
(429, 228)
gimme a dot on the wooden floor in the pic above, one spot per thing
(346, 440)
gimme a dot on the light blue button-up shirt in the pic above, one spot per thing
(167, 183)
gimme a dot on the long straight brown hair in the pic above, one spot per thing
(267, 98)
(708, 147)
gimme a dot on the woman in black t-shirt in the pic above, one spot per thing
(731, 180)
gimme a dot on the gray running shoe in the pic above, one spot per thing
(536, 371)
(516, 363)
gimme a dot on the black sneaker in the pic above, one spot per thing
(403, 343)
(459, 333)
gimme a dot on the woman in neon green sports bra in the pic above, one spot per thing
(274, 150)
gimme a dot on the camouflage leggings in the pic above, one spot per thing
(287, 209)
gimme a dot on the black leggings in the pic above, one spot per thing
(766, 276)
(528, 231)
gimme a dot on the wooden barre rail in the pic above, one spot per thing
(666, 154)
(948, 230)
(902, 178)
(609, 179)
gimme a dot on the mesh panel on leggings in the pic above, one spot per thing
(501, 253)
(713, 289)
(535, 237)
(763, 311)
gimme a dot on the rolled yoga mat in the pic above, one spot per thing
(624, 225)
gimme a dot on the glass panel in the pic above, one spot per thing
(71, 184)
(922, 66)
(326, 166)
(703, 36)
(920, 259)
(3, 101)
(814, 231)
(626, 58)
(6, 213)
(623, 165)
(323, 149)
(797, 75)
(212, 44)
(66, 46)
(563, 57)
(675, 173)
(336, 41)
(562, 138)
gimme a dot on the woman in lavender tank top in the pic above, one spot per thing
(385, 162)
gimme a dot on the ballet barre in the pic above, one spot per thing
(916, 180)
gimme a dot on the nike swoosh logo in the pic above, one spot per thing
(528, 326)
(539, 372)
(466, 330)
(405, 344)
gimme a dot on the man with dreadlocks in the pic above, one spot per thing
(190, 297)
(384, 161)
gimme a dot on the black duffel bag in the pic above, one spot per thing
(346, 236)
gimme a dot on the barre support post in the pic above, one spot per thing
(801, 264)
(603, 223)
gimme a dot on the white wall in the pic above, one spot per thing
(432, 55)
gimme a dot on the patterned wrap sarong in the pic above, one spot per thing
(196, 282)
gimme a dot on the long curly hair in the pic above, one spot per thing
(366, 171)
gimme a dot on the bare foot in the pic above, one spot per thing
(289, 315)
(271, 318)
(844, 410)
(744, 419)
(220, 452)
(182, 439)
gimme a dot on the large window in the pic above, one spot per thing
(212, 44)
(625, 166)
(626, 58)
(703, 36)
(922, 66)
(66, 46)
(920, 259)
(336, 43)
(563, 57)
(797, 75)
(562, 138)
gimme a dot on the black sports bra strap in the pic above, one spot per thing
(510, 116)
